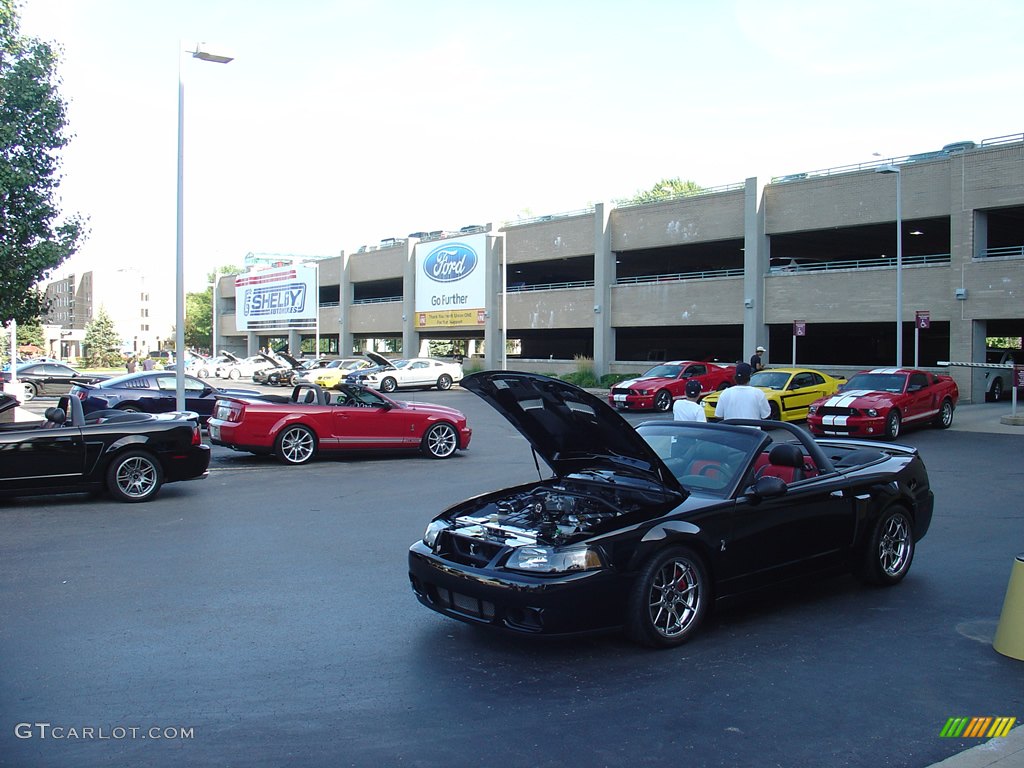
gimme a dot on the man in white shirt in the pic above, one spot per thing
(688, 408)
(742, 401)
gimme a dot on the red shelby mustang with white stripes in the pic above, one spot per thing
(880, 402)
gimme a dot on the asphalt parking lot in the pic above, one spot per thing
(263, 617)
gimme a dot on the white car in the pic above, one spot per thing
(422, 372)
(246, 368)
(206, 367)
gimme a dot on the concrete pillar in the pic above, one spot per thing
(294, 342)
(410, 336)
(965, 344)
(494, 321)
(345, 340)
(755, 265)
(604, 277)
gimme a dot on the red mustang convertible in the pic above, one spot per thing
(349, 417)
(879, 403)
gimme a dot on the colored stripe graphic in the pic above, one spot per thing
(977, 727)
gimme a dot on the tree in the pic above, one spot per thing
(32, 130)
(102, 342)
(666, 189)
(199, 312)
(198, 319)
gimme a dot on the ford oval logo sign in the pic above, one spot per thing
(450, 262)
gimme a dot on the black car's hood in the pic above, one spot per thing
(571, 429)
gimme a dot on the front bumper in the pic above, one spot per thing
(631, 402)
(560, 604)
(847, 426)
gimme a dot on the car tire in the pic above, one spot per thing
(996, 393)
(773, 412)
(203, 373)
(134, 476)
(890, 550)
(722, 387)
(893, 423)
(669, 600)
(388, 384)
(129, 408)
(663, 401)
(444, 382)
(440, 441)
(945, 418)
(234, 374)
(295, 444)
(29, 391)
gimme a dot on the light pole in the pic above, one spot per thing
(899, 261)
(213, 318)
(203, 53)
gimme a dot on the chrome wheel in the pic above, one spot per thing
(945, 419)
(669, 599)
(296, 445)
(134, 476)
(674, 599)
(887, 556)
(441, 441)
(29, 392)
(388, 385)
(894, 545)
(663, 401)
(892, 425)
(444, 381)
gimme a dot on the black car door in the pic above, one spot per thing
(808, 528)
(38, 456)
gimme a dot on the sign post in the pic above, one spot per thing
(799, 329)
(922, 321)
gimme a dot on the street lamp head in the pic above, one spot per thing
(887, 169)
(203, 51)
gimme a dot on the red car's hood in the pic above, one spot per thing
(439, 410)
(644, 382)
(859, 398)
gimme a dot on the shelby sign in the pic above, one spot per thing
(276, 298)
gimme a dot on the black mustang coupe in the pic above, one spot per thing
(130, 455)
(643, 529)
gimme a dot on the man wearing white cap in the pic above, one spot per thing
(755, 360)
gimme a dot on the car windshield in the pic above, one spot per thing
(770, 379)
(702, 459)
(664, 371)
(876, 382)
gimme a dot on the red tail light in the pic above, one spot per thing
(197, 438)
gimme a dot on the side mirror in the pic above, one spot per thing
(766, 488)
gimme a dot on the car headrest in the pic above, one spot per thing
(310, 397)
(786, 455)
(55, 415)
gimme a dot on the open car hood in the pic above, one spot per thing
(571, 429)
(379, 360)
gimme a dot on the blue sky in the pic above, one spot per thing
(345, 122)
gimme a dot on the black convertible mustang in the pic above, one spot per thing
(130, 455)
(644, 528)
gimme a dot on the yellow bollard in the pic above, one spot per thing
(1009, 639)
